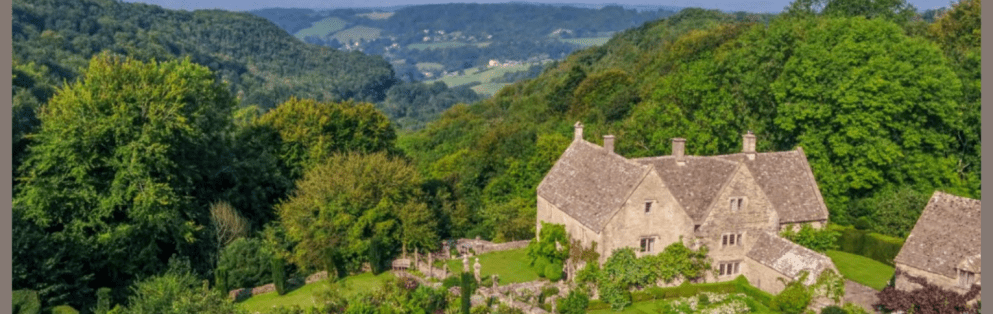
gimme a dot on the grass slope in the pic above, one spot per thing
(484, 76)
(356, 33)
(862, 269)
(510, 265)
(322, 28)
(304, 296)
(587, 41)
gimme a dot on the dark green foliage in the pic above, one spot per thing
(279, 275)
(25, 302)
(551, 247)
(819, 240)
(127, 190)
(703, 300)
(467, 287)
(833, 309)
(862, 223)
(221, 279)
(875, 246)
(575, 303)
(64, 309)
(246, 264)
(451, 281)
(794, 298)
(174, 292)
(103, 300)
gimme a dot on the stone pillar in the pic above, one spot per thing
(430, 265)
(465, 263)
(476, 269)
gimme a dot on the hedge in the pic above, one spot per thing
(872, 245)
(26, 302)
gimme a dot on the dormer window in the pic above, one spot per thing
(966, 278)
(736, 203)
(648, 207)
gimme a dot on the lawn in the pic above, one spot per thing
(862, 269)
(429, 66)
(643, 307)
(488, 88)
(304, 296)
(376, 15)
(484, 76)
(587, 41)
(510, 265)
(322, 28)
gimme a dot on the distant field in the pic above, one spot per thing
(488, 88)
(428, 66)
(587, 41)
(441, 45)
(359, 32)
(322, 28)
(376, 15)
(304, 296)
(472, 75)
(862, 269)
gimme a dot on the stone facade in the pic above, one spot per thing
(725, 202)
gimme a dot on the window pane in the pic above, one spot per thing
(724, 240)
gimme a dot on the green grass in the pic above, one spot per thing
(355, 33)
(862, 269)
(510, 265)
(304, 296)
(322, 28)
(587, 41)
(428, 66)
(488, 88)
(644, 307)
(376, 15)
(472, 75)
(437, 45)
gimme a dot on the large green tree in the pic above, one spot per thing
(122, 165)
(356, 208)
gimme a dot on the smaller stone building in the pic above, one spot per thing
(945, 245)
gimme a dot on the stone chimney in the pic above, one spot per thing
(578, 135)
(748, 145)
(608, 143)
(679, 150)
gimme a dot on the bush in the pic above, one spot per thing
(64, 309)
(486, 282)
(245, 264)
(792, 300)
(575, 303)
(553, 271)
(833, 309)
(451, 281)
(703, 300)
(177, 291)
(863, 223)
(221, 280)
(26, 302)
(540, 265)
(279, 275)
(103, 300)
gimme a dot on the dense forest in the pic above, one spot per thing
(144, 166)
(468, 34)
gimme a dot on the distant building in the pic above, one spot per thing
(734, 204)
(945, 245)
(494, 62)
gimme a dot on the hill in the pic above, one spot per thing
(876, 111)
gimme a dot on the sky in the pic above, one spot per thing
(763, 6)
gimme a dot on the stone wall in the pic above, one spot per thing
(292, 283)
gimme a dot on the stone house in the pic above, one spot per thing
(944, 247)
(734, 204)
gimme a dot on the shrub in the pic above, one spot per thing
(177, 291)
(64, 309)
(245, 264)
(26, 302)
(703, 299)
(451, 281)
(221, 280)
(833, 309)
(279, 275)
(817, 240)
(863, 223)
(575, 303)
(103, 300)
(486, 282)
(553, 271)
(792, 300)
(852, 308)
(540, 265)
(549, 291)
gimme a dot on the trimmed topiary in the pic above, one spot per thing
(279, 275)
(553, 271)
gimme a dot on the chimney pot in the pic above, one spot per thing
(748, 145)
(678, 148)
(608, 143)
(578, 135)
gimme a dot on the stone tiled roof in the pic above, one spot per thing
(696, 183)
(788, 182)
(946, 235)
(787, 257)
(589, 183)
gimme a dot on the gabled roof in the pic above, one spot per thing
(694, 184)
(788, 258)
(590, 183)
(788, 182)
(946, 235)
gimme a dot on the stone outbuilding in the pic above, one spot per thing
(734, 204)
(945, 245)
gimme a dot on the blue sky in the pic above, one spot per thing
(727, 5)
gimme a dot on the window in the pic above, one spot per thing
(966, 278)
(731, 239)
(647, 244)
(729, 268)
(648, 206)
(736, 203)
